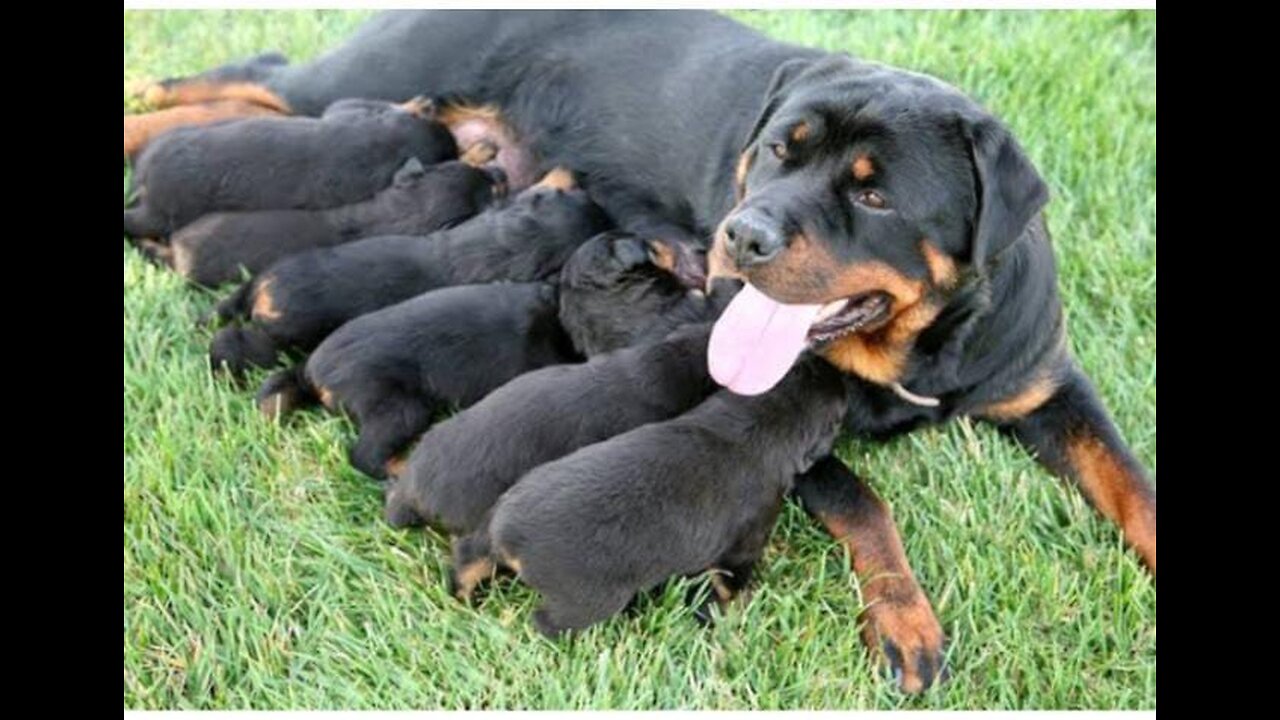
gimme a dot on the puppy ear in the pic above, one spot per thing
(662, 254)
(679, 260)
(1010, 191)
(411, 171)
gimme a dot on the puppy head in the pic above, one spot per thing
(618, 288)
(555, 208)
(452, 188)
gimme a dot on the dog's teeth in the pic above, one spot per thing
(830, 309)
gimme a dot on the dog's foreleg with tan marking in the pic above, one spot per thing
(898, 619)
(1072, 435)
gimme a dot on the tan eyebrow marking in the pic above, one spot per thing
(863, 168)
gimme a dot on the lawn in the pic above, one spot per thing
(258, 572)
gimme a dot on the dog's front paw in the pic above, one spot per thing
(910, 639)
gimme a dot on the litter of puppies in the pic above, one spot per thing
(396, 282)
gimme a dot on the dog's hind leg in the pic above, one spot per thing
(727, 583)
(898, 618)
(155, 251)
(246, 81)
(473, 563)
(385, 430)
(142, 128)
(286, 391)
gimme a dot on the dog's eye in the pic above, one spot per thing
(779, 150)
(870, 198)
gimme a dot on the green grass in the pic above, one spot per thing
(258, 574)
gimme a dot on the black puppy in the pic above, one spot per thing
(394, 369)
(461, 466)
(618, 289)
(300, 299)
(216, 248)
(276, 163)
(700, 491)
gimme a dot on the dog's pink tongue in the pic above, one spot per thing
(756, 340)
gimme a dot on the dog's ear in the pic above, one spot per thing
(662, 254)
(410, 172)
(679, 260)
(1010, 191)
(783, 78)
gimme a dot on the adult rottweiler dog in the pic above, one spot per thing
(275, 163)
(219, 246)
(700, 491)
(890, 222)
(298, 300)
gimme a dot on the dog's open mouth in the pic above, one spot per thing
(842, 317)
(757, 339)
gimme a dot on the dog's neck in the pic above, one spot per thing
(992, 332)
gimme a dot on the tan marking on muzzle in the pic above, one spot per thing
(942, 269)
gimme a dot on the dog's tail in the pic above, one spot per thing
(238, 348)
(286, 391)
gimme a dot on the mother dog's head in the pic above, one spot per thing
(863, 193)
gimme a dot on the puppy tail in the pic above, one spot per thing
(286, 391)
(236, 349)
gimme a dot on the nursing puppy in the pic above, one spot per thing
(700, 491)
(618, 289)
(393, 370)
(216, 248)
(296, 302)
(277, 163)
(461, 466)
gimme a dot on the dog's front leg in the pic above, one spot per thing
(1072, 435)
(899, 620)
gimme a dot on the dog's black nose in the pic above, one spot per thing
(753, 238)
